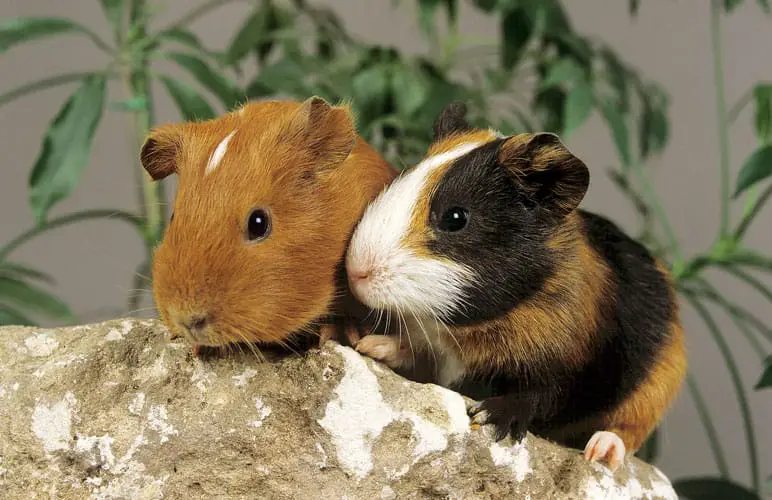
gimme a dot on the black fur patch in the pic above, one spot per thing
(503, 242)
(634, 328)
(452, 119)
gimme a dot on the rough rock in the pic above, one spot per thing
(115, 410)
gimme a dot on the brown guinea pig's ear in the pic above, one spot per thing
(327, 131)
(542, 165)
(451, 120)
(159, 152)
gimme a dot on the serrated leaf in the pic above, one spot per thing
(563, 71)
(762, 94)
(113, 12)
(10, 317)
(516, 28)
(619, 130)
(212, 80)
(249, 35)
(26, 29)
(410, 91)
(756, 168)
(765, 381)
(67, 146)
(20, 295)
(577, 108)
(712, 488)
(9, 270)
(192, 106)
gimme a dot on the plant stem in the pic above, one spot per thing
(65, 220)
(723, 122)
(752, 213)
(43, 84)
(734, 373)
(101, 44)
(199, 11)
(737, 108)
(707, 422)
(139, 87)
(650, 194)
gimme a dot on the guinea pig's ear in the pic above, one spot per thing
(159, 152)
(555, 178)
(451, 120)
(327, 131)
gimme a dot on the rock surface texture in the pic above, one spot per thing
(114, 410)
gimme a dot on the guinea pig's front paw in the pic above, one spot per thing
(382, 348)
(510, 415)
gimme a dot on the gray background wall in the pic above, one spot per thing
(669, 42)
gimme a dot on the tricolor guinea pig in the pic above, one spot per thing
(482, 253)
(268, 196)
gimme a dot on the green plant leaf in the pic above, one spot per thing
(26, 29)
(577, 108)
(287, 75)
(113, 12)
(654, 130)
(410, 91)
(10, 316)
(251, 33)
(756, 168)
(617, 76)
(516, 28)
(762, 94)
(212, 80)
(10, 270)
(619, 131)
(765, 382)
(731, 5)
(712, 488)
(32, 299)
(563, 71)
(192, 106)
(67, 146)
(131, 105)
(635, 5)
(765, 5)
(371, 89)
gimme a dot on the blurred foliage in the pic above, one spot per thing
(537, 73)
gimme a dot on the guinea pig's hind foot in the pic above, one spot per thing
(605, 446)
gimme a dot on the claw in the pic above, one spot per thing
(605, 446)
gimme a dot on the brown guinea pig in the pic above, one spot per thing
(268, 196)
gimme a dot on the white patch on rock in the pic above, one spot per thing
(457, 415)
(137, 404)
(357, 416)
(51, 424)
(98, 450)
(155, 371)
(430, 437)
(40, 345)
(516, 457)
(67, 361)
(262, 412)
(321, 451)
(118, 334)
(241, 380)
(387, 493)
(201, 376)
(158, 421)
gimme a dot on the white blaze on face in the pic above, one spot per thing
(219, 152)
(400, 279)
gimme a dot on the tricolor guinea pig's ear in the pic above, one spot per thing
(327, 132)
(451, 120)
(160, 151)
(544, 167)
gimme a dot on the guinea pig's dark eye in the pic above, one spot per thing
(258, 225)
(454, 219)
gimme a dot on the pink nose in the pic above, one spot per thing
(359, 275)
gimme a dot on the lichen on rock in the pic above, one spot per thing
(115, 410)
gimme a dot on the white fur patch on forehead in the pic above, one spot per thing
(217, 155)
(386, 221)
